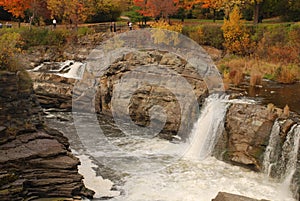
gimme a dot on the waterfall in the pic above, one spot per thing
(271, 154)
(290, 155)
(208, 127)
(280, 158)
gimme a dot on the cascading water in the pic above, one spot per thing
(271, 154)
(208, 127)
(185, 180)
(290, 156)
(189, 178)
(280, 161)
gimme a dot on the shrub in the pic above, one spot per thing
(255, 78)
(164, 25)
(36, 36)
(9, 46)
(82, 31)
(58, 37)
(210, 34)
(280, 44)
(213, 36)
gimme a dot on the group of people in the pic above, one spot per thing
(7, 25)
(113, 26)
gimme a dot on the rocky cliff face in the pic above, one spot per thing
(35, 161)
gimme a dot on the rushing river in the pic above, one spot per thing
(148, 175)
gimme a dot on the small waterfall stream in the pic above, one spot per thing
(271, 154)
(290, 156)
(280, 161)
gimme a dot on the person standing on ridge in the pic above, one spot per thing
(130, 25)
(54, 23)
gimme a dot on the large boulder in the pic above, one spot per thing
(148, 95)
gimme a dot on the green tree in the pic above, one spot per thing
(289, 9)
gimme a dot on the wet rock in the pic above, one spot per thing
(246, 135)
(35, 161)
(223, 196)
(53, 91)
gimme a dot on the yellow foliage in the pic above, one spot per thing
(166, 37)
(164, 25)
(9, 45)
(237, 39)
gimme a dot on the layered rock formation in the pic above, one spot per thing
(35, 161)
(53, 91)
(147, 95)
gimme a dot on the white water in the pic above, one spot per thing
(190, 178)
(75, 71)
(271, 151)
(68, 69)
(291, 146)
(207, 128)
(101, 187)
(184, 179)
(194, 180)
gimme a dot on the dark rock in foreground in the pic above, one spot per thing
(222, 196)
(35, 161)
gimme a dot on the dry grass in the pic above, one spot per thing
(255, 79)
(238, 67)
(287, 74)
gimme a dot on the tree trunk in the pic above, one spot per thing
(256, 13)
(214, 13)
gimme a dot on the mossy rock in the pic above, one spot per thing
(7, 178)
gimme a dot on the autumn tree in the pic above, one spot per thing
(16, 7)
(70, 11)
(38, 11)
(187, 5)
(157, 8)
(214, 5)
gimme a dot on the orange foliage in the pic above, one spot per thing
(16, 7)
(213, 4)
(155, 8)
(188, 4)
